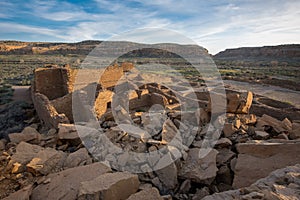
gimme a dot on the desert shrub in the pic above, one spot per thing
(13, 116)
(6, 93)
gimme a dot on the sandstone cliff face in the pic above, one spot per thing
(284, 53)
(46, 48)
(85, 47)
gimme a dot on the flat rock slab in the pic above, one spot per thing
(200, 169)
(29, 134)
(258, 160)
(25, 152)
(65, 185)
(77, 158)
(22, 194)
(46, 161)
(280, 184)
(146, 194)
(278, 126)
(167, 175)
(119, 185)
(67, 132)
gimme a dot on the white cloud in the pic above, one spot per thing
(20, 28)
(65, 16)
(252, 25)
(216, 25)
(6, 9)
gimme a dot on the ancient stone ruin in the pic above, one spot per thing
(51, 159)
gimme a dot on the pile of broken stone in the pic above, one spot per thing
(58, 163)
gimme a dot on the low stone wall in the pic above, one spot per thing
(102, 101)
(53, 82)
(53, 92)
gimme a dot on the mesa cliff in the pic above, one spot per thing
(284, 53)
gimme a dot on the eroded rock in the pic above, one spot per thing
(170, 133)
(269, 121)
(198, 169)
(146, 194)
(229, 129)
(257, 160)
(280, 184)
(65, 184)
(239, 103)
(295, 133)
(68, 132)
(29, 134)
(78, 158)
(167, 175)
(46, 161)
(25, 152)
(261, 135)
(22, 194)
(119, 185)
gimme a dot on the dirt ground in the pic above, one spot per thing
(274, 92)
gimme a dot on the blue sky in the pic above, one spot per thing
(215, 24)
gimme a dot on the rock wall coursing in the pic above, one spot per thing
(53, 82)
(57, 83)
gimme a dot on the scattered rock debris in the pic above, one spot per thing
(52, 159)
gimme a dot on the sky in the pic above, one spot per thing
(214, 24)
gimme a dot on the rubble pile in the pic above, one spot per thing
(52, 159)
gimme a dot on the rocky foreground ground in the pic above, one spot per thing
(255, 156)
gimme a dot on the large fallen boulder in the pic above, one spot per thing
(199, 169)
(271, 124)
(168, 174)
(257, 160)
(119, 185)
(65, 185)
(280, 184)
(25, 153)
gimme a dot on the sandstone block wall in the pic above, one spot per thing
(127, 66)
(111, 76)
(102, 100)
(53, 82)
